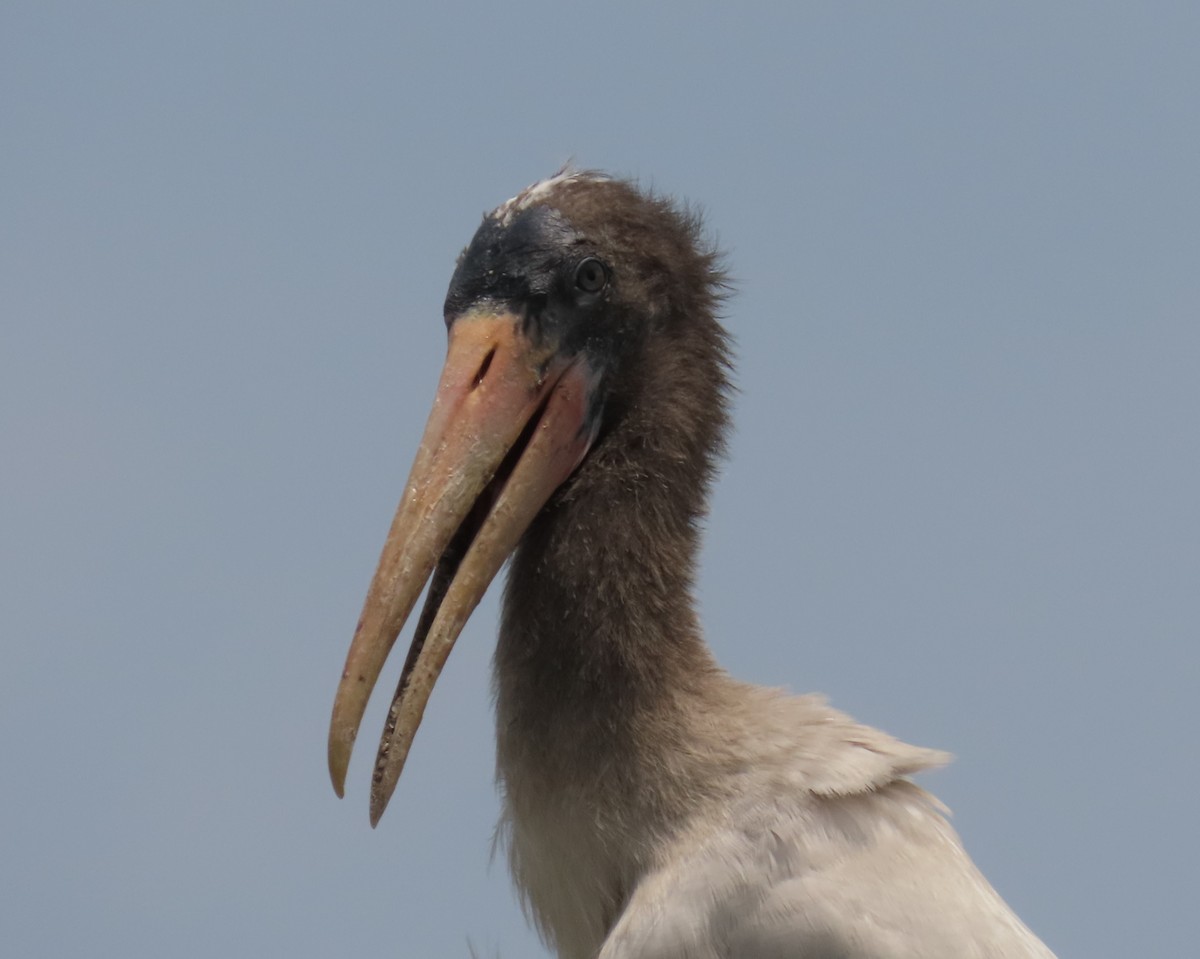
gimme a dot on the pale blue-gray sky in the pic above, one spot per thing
(962, 498)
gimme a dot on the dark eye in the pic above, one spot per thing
(591, 275)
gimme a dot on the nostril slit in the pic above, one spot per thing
(483, 368)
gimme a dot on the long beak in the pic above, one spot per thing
(509, 424)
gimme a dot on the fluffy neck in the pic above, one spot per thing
(599, 633)
(603, 681)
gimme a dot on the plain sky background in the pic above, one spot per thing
(962, 495)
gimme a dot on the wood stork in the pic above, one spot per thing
(653, 806)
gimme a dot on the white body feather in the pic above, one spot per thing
(785, 830)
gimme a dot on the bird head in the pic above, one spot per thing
(576, 302)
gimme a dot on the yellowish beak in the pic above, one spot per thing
(509, 424)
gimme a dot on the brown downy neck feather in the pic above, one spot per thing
(599, 633)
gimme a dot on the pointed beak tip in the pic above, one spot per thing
(338, 763)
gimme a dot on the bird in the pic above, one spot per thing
(652, 806)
